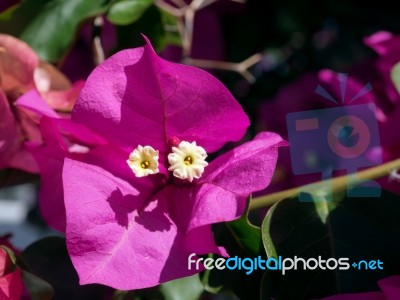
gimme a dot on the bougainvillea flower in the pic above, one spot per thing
(17, 63)
(21, 73)
(390, 290)
(387, 46)
(128, 231)
(10, 277)
(300, 96)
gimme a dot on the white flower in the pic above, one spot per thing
(187, 160)
(143, 161)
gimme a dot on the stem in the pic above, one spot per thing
(176, 12)
(179, 3)
(338, 184)
(188, 31)
(98, 51)
(241, 68)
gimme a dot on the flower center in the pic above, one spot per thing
(145, 164)
(143, 161)
(187, 160)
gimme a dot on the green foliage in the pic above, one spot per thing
(38, 288)
(357, 228)
(171, 32)
(48, 259)
(187, 288)
(241, 239)
(153, 25)
(395, 75)
(125, 12)
(246, 234)
(49, 26)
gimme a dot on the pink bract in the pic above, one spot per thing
(387, 46)
(61, 139)
(23, 76)
(128, 232)
(10, 280)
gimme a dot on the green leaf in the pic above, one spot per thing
(151, 25)
(395, 75)
(48, 259)
(266, 238)
(37, 287)
(10, 254)
(246, 234)
(172, 35)
(187, 288)
(205, 280)
(125, 12)
(49, 26)
(13, 260)
(357, 228)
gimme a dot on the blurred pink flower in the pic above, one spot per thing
(300, 96)
(390, 290)
(387, 46)
(21, 73)
(10, 278)
(131, 230)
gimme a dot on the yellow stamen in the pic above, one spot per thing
(145, 164)
(188, 160)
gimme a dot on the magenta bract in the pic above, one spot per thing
(129, 232)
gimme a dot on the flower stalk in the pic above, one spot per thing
(338, 184)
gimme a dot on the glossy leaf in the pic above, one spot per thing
(48, 259)
(37, 287)
(395, 75)
(246, 234)
(186, 288)
(153, 24)
(125, 12)
(49, 26)
(171, 35)
(357, 228)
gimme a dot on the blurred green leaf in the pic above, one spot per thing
(232, 284)
(125, 12)
(13, 260)
(141, 294)
(48, 259)
(38, 288)
(172, 35)
(395, 75)
(186, 288)
(151, 25)
(246, 234)
(357, 228)
(49, 26)
(10, 253)
(205, 280)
